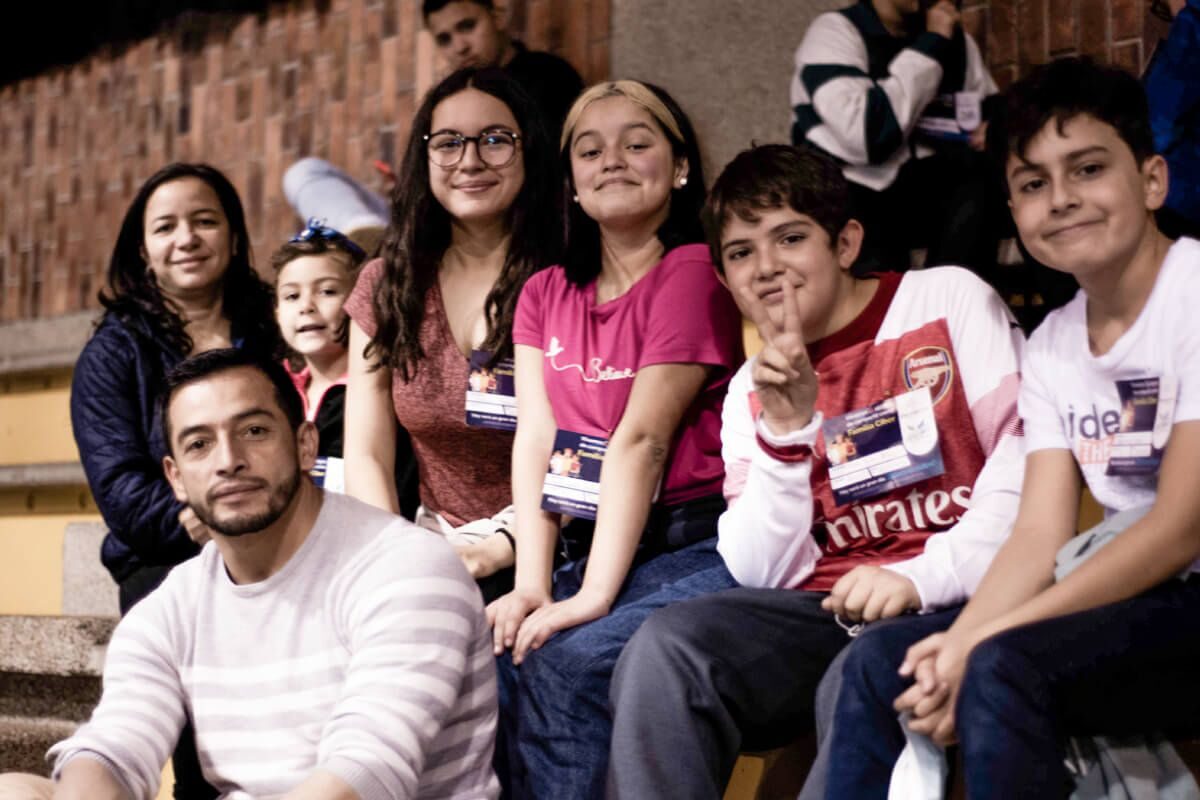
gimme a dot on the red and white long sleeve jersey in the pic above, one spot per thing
(943, 328)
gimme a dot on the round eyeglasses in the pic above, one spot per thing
(495, 148)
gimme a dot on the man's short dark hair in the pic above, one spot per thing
(213, 362)
(432, 6)
(770, 176)
(1060, 91)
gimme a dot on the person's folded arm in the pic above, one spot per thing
(867, 119)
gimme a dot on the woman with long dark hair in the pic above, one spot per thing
(180, 282)
(473, 216)
(623, 353)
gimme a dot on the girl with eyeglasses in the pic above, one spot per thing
(180, 282)
(474, 214)
(623, 354)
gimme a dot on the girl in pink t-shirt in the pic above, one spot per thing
(622, 358)
(468, 228)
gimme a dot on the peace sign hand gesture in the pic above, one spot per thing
(783, 376)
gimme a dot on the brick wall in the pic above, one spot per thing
(1017, 34)
(335, 78)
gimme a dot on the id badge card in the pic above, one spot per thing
(572, 483)
(329, 473)
(491, 393)
(941, 120)
(1147, 413)
(882, 447)
(968, 110)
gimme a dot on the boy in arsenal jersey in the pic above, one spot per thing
(873, 458)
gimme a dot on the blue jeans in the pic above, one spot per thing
(1125, 668)
(555, 720)
(866, 738)
(705, 679)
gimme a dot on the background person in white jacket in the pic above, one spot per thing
(920, 373)
(894, 90)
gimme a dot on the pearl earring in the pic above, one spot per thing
(682, 182)
(575, 197)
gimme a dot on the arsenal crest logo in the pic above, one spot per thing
(929, 366)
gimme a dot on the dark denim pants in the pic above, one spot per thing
(555, 721)
(1125, 668)
(865, 738)
(705, 679)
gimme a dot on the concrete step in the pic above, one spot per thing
(24, 742)
(87, 588)
(49, 683)
(64, 646)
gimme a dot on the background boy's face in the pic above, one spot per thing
(466, 35)
(781, 250)
(1079, 198)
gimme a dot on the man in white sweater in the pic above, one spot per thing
(322, 648)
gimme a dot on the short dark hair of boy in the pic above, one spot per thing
(1060, 91)
(213, 362)
(770, 176)
(433, 6)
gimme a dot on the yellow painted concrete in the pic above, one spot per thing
(166, 788)
(32, 526)
(35, 425)
(750, 338)
(31, 555)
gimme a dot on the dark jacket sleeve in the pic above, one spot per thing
(111, 418)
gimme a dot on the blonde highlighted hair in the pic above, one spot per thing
(635, 92)
(682, 226)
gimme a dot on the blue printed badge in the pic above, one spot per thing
(491, 393)
(329, 473)
(950, 117)
(876, 449)
(572, 484)
(1147, 412)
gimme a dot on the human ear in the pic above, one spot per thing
(307, 440)
(171, 469)
(849, 243)
(1155, 181)
(681, 173)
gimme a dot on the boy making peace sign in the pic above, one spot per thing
(873, 462)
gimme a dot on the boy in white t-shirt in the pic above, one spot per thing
(1111, 397)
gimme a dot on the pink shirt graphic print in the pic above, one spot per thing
(677, 313)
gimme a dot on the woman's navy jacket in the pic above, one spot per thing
(115, 417)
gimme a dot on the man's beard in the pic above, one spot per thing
(239, 525)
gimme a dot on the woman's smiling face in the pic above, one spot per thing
(622, 164)
(472, 191)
